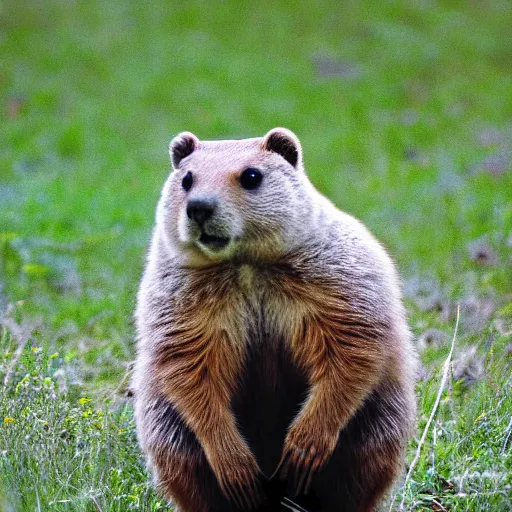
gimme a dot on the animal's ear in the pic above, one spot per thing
(284, 143)
(182, 146)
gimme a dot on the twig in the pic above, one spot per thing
(508, 430)
(435, 502)
(37, 498)
(446, 372)
(290, 505)
(96, 504)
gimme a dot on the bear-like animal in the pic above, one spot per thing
(272, 343)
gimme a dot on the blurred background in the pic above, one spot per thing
(404, 110)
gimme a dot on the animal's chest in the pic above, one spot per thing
(270, 311)
(271, 387)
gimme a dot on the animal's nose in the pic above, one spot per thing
(201, 210)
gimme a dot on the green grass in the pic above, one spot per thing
(59, 451)
(404, 110)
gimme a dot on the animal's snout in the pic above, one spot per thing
(201, 210)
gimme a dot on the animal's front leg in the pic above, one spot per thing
(310, 441)
(198, 369)
(343, 368)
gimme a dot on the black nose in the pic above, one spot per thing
(200, 210)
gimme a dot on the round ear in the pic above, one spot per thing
(182, 146)
(284, 143)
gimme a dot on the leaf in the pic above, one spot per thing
(35, 270)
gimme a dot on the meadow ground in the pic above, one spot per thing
(405, 114)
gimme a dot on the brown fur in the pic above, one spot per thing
(331, 302)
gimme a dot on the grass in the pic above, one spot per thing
(59, 451)
(405, 115)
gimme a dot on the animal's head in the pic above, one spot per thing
(236, 198)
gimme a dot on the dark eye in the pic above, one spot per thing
(187, 181)
(250, 178)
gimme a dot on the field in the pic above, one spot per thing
(404, 110)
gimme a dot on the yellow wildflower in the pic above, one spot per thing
(8, 420)
(481, 417)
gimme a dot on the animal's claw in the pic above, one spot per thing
(243, 489)
(302, 458)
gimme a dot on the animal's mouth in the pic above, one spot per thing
(212, 242)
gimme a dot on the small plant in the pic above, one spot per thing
(60, 450)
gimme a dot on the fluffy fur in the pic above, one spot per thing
(283, 352)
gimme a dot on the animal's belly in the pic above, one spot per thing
(270, 394)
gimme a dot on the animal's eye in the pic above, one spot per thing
(250, 178)
(187, 181)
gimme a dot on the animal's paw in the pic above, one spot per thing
(306, 450)
(240, 480)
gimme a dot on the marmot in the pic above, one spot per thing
(272, 340)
